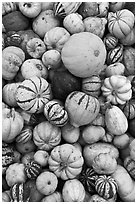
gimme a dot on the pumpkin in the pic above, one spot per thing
(116, 121)
(92, 85)
(110, 41)
(129, 39)
(88, 177)
(41, 157)
(129, 60)
(33, 169)
(15, 174)
(66, 161)
(120, 23)
(70, 133)
(115, 69)
(32, 94)
(82, 108)
(6, 197)
(35, 47)
(51, 59)
(8, 7)
(54, 197)
(12, 59)
(115, 55)
(25, 147)
(62, 9)
(30, 9)
(121, 141)
(20, 192)
(46, 183)
(93, 150)
(46, 136)
(33, 67)
(117, 89)
(73, 191)
(15, 21)
(25, 134)
(89, 63)
(73, 23)
(116, 6)
(7, 156)
(129, 164)
(129, 109)
(56, 37)
(95, 25)
(27, 157)
(106, 186)
(12, 124)
(55, 113)
(104, 163)
(44, 22)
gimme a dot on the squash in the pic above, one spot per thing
(30, 9)
(6, 196)
(15, 174)
(97, 198)
(110, 41)
(115, 69)
(41, 157)
(82, 108)
(51, 59)
(106, 186)
(54, 197)
(35, 47)
(73, 191)
(32, 169)
(116, 6)
(66, 161)
(46, 136)
(45, 21)
(93, 150)
(129, 39)
(116, 121)
(12, 124)
(8, 7)
(25, 134)
(26, 147)
(120, 23)
(47, 5)
(12, 59)
(89, 63)
(33, 67)
(115, 55)
(20, 192)
(55, 38)
(46, 183)
(62, 9)
(121, 141)
(129, 60)
(55, 113)
(129, 164)
(117, 89)
(73, 23)
(27, 157)
(15, 21)
(32, 94)
(129, 109)
(12, 38)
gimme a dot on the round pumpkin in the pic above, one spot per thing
(41, 157)
(89, 63)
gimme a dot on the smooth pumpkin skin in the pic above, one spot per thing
(54, 197)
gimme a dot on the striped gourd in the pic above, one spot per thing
(88, 177)
(129, 164)
(62, 9)
(92, 85)
(115, 55)
(20, 192)
(25, 134)
(129, 109)
(55, 113)
(32, 169)
(32, 94)
(106, 186)
(110, 41)
(13, 39)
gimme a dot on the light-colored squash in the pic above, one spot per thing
(51, 59)
(121, 141)
(54, 197)
(115, 69)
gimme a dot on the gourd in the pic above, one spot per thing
(115, 69)
(33, 169)
(89, 63)
(12, 123)
(120, 23)
(73, 191)
(51, 59)
(25, 147)
(117, 89)
(62, 9)
(66, 161)
(82, 108)
(55, 38)
(32, 94)
(12, 38)
(46, 136)
(54, 197)
(129, 39)
(116, 6)
(41, 157)
(97, 198)
(5, 196)
(132, 149)
(129, 164)
(47, 5)
(129, 109)
(8, 7)
(27, 157)
(115, 55)
(110, 41)
(116, 121)
(129, 60)
(20, 192)
(25, 134)
(99, 120)
(36, 68)
(121, 141)
(12, 59)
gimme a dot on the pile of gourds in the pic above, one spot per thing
(68, 102)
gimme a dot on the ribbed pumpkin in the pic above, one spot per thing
(66, 161)
(32, 169)
(120, 23)
(56, 113)
(25, 134)
(115, 55)
(46, 136)
(129, 164)
(32, 94)
(84, 54)
(61, 9)
(129, 109)
(20, 192)
(110, 41)
(82, 108)
(106, 186)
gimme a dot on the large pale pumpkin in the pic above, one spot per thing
(84, 54)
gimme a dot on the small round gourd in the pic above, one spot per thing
(110, 41)
(51, 59)
(54, 197)
(33, 169)
(20, 192)
(115, 55)
(115, 69)
(25, 134)
(129, 164)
